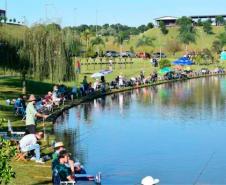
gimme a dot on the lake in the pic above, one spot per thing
(175, 132)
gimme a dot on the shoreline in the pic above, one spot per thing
(87, 98)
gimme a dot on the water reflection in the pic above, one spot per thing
(179, 122)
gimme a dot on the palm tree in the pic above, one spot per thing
(120, 38)
(86, 35)
(98, 41)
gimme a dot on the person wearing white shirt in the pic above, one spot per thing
(29, 142)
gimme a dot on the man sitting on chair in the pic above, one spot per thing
(75, 167)
(29, 142)
(63, 171)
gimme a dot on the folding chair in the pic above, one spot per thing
(12, 133)
(20, 156)
(57, 181)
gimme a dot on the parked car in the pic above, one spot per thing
(143, 55)
(127, 54)
(111, 54)
(158, 55)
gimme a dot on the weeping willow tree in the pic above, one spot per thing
(50, 51)
(72, 45)
(45, 52)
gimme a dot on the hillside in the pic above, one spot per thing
(203, 40)
(14, 31)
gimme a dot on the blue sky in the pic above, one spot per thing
(129, 12)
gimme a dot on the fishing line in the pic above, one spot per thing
(204, 168)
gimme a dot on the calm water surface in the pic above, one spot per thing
(175, 132)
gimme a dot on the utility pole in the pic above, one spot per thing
(96, 21)
(75, 9)
(46, 11)
(5, 8)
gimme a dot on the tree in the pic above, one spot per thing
(164, 63)
(204, 57)
(199, 23)
(216, 46)
(145, 41)
(173, 46)
(187, 33)
(150, 25)
(207, 27)
(120, 38)
(87, 35)
(97, 41)
(219, 20)
(142, 28)
(162, 27)
(14, 20)
(222, 38)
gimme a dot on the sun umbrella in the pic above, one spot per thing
(164, 70)
(183, 61)
(97, 75)
(105, 72)
(101, 73)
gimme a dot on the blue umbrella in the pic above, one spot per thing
(183, 61)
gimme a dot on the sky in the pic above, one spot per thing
(127, 12)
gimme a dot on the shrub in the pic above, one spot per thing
(164, 63)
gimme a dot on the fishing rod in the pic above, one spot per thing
(204, 168)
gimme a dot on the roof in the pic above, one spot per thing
(166, 18)
(206, 16)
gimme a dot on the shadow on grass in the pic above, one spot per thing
(15, 128)
(6, 108)
(43, 182)
(8, 94)
(35, 87)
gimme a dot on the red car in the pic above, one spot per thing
(143, 55)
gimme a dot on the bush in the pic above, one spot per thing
(7, 152)
(164, 63)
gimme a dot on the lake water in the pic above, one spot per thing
(175, 132)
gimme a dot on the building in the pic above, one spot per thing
(2, 13)
(171, 21)
(167, 20)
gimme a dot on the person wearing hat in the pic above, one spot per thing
(31, 115)
(29, 143)
(149, 181)
(58, 146)
(74, 167)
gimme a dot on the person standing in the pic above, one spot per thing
(78, 65)
(31, 115)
